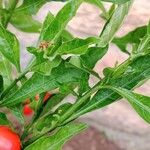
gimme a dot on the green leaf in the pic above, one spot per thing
(117, 1)
(49, 18)
(66, 36)
(39, 83)
(100, 5)
(9, 47)
(113, 24)
(55, 28)
(139, 102)
(43, 65)
(144, 44)
(47, 66)
(4, 14)
(47, 122)
(136, 71)
(1, 3)
(1, 84)
(3, 119)
(57, 140)
(30, 6)
(38, 54)
(5, 70)
(76, 46)
(55, 99)
(25, 23)
(133, 37)
(93, 54)
(86, 62)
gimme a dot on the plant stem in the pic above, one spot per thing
(38, 107)
(79, 103)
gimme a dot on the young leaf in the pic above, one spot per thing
(113, 24)
(57, 140)
(76, 46)
(139, 102)
(55, 28)
(25, 23)
(9, 47)
(3, 119)
(49, 18)
(41, 64)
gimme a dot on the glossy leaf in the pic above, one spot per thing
(9, 47)
(57, 140)
(55, 28)
(113, 24)
(25, 23)
(76, 46)
(66, 36)
(139, 102)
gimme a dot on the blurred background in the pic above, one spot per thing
(116, 127)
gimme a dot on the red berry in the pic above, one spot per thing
(9, 140)
(47, 96)
(27, 110)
